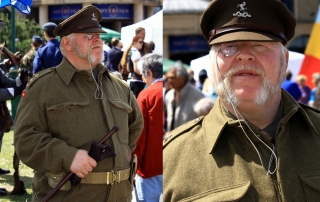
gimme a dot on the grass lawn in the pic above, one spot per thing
(6, 162)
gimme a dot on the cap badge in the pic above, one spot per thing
(242, 12)
(94, 17)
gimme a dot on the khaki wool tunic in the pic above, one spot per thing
(59, 115)
(210, 159)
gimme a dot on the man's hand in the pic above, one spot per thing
(82, 163)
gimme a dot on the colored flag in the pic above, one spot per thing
(311, 62)
(22, 5)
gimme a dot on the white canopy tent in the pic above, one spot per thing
(294, 64)
(154, 30)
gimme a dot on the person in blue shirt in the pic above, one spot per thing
(48, 55)
(291, 86)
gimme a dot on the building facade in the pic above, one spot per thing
(115, 13)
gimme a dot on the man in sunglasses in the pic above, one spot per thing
(64, 109)
(257, 143)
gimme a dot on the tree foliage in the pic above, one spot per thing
(24, 29)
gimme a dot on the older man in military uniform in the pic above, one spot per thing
(257, 143)
(64, 109)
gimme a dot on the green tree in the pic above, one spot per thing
(25, 29)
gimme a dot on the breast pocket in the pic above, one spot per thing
(311, 186)
(237, 192)
(66, 119)
(120, 112)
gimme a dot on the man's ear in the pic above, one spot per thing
(66, 43)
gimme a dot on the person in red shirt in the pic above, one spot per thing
(149, 146)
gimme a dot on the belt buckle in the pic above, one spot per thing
(112, 177)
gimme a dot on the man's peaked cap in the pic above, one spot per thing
(85, 20)
(247, 20)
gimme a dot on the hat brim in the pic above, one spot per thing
(245, 36)
(91, 30)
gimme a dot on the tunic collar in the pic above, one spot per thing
(218, 120)
(66, 70)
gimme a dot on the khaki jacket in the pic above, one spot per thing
(210, 159)
(59, 115)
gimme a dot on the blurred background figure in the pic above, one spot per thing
(133, 56)
(146, 48)
(180, 100)
(305, 90)
(291, 87)
(27, 60)
(152, 46)
(192, 81)
(316, 103)
(316, 82)
(130, 58)
(190, 73)
(202, 77)
(48, 55)
(115, 55)
(149, 146)
(203, 106)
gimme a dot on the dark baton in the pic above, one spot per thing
(67, 177)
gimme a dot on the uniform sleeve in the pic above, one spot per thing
(7, 81)
(5, 95)
(37, 63)
(135, 122)
(141, 143)
(35, 146)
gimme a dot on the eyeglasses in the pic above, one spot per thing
(227, 49)
(91, 35)
(230, 48)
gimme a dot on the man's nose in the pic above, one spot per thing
(245, 54)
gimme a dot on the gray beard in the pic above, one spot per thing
(86, 56)
(264, 94)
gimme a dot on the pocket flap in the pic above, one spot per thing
(122, 105)
(67, 104)
(55, 178)
(311, 180)
(229, 193)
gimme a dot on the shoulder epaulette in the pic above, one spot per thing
(181, 130)
(38, 75)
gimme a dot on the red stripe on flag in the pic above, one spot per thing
(309, 66)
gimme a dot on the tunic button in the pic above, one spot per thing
(90, 79)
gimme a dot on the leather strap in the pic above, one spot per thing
(246, 27)
(106, 177)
